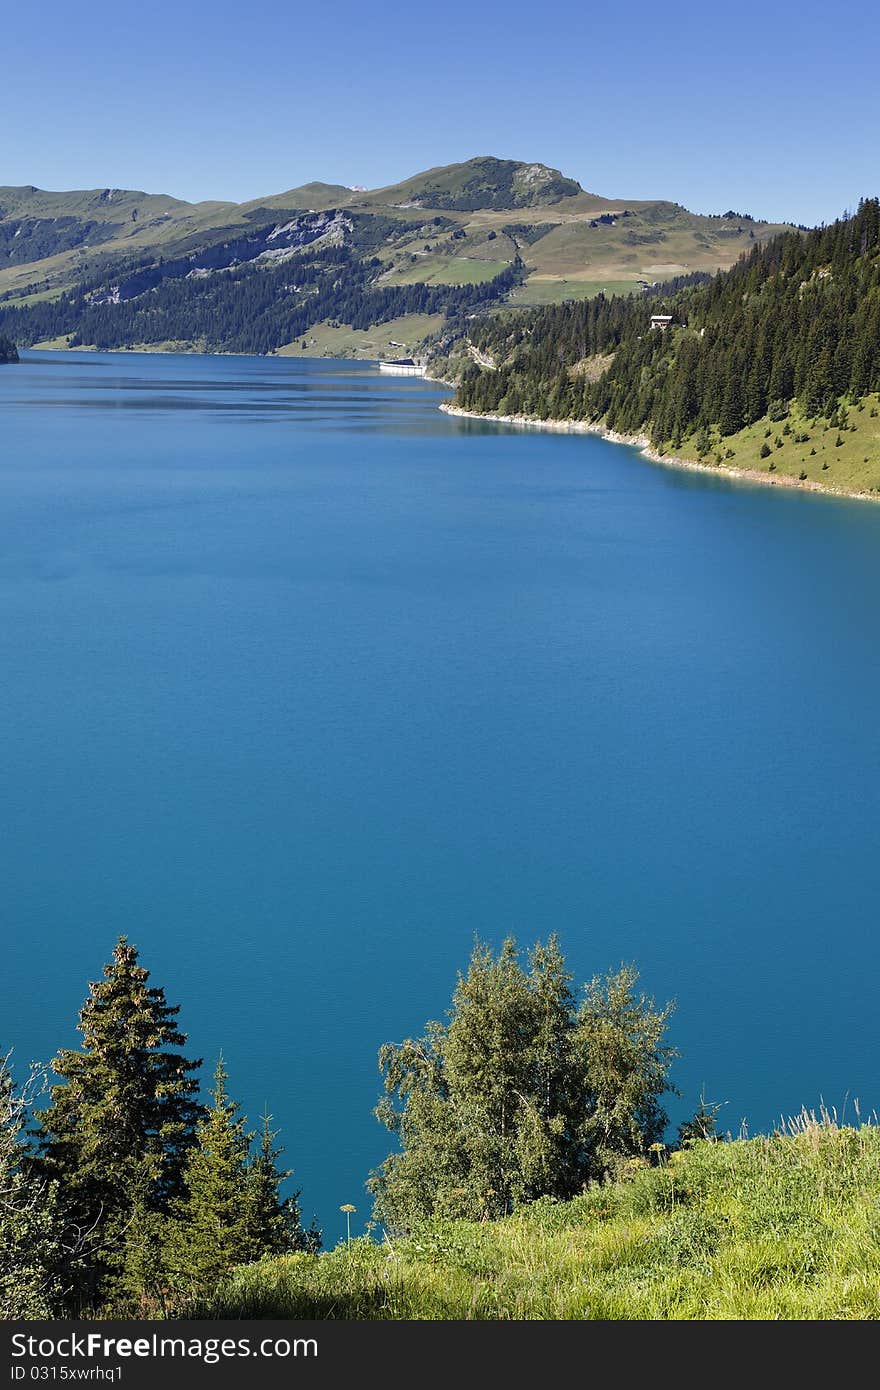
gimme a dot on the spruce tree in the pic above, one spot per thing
(703, 1124)
(796, 319)
(274, 1222)
(212, 1228)
(121, 1118)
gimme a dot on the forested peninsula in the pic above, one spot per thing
(771, 368)
(8, 351)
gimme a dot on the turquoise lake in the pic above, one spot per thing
(303, 684)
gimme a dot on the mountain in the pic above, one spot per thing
(368, 272)
(480, 184)
(773, 366)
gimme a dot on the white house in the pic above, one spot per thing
(661, 320)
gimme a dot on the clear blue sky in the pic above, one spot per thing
(771, 108)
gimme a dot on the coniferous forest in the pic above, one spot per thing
(796, 320)
(241, 307)
(120, 1189)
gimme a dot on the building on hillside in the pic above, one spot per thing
(661, 320)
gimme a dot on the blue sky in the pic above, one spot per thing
(771, 109)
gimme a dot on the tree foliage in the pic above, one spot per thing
(229, 299)
(797, 318)
(274, 1223)
(133, 1194)
(122, 1115)
(523, 1093)
(30, 1245)
(232, 1211)
(210, 1227)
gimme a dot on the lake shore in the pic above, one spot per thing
(643, 444)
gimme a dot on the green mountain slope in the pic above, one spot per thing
(524, 231)
(478, 184)
(769, 1228)
(773, 366)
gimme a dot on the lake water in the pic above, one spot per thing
(304, 684)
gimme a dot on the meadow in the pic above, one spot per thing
(776, 1227)
(839, 454)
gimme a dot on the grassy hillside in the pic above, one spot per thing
(813, 451)
(772, 367)
(399, 337)
(49, 240)
(769, 1228)
(547, 289)
(456, 225)
(483, 182)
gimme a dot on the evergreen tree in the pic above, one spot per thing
(274, 1222)
(703, 1124)
(731, 417)
(121, 1118)
(140, 1287)
(796, 319)
(213, 1224)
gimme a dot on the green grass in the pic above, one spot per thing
(444, 270)
(61, 343)
(853, 465)
(323, 340)
(537, 291)
(53, 344)
(659, 241)
(783, 1227)
(154, 224)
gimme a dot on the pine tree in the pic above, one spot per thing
(702, 1125)
(121, 1118)
(731, 416)
(211, 1229)
(140, 1288)
(274, 1223)
(797, 319)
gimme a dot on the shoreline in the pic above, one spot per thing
(643, 444)
(633, 441)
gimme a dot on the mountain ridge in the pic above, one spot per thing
(771, 370)
(522, 231)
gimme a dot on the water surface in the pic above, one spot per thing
(304, 684)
